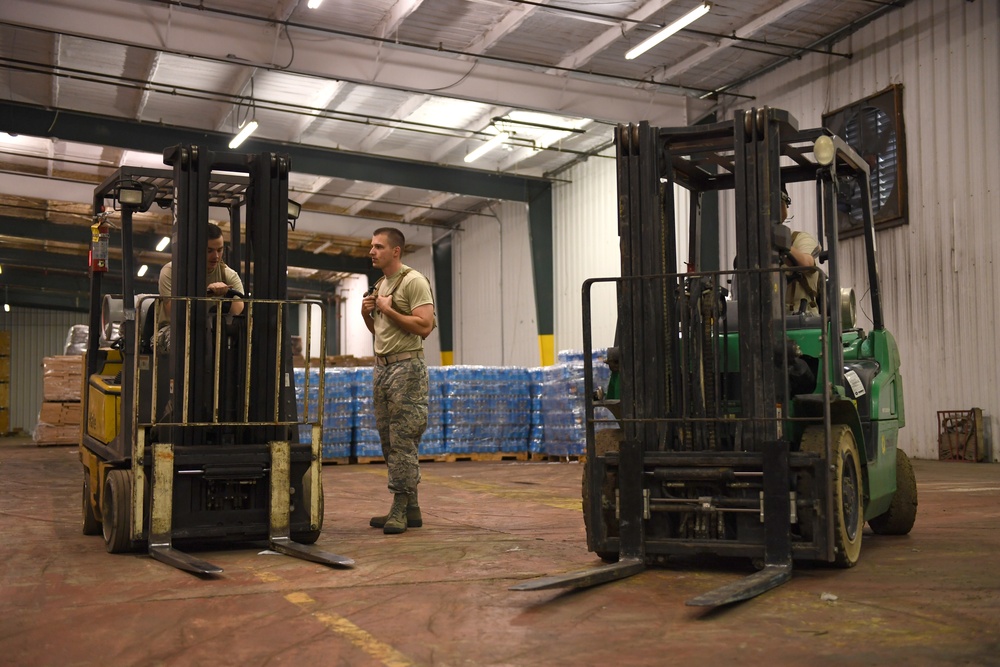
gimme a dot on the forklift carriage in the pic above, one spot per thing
(199, 443)
(741, 429)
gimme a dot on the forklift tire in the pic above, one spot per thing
(606, 440)
(848, 505)
(902, 512)
(91, 525)
(116, 511)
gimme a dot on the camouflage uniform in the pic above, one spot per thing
(400, 393)
(400, 388)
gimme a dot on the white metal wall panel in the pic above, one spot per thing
(938, 274)
(35, 334)
(585, 240)
(585, 245)
(494, 299)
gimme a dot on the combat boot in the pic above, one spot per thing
(395, 521)
(413, 516)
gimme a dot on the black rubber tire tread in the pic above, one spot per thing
(91, 525)
(116, 511)
(605, 440)
(902, 512)
(844, 451)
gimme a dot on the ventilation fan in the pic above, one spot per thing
(874, 128)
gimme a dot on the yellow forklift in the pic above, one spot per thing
(196, 441)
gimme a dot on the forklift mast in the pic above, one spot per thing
(200, 442)
(732, 410)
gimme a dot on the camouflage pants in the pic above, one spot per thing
(400, 398)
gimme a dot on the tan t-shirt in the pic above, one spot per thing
(221, 274)
(409, 289)
(795, 291)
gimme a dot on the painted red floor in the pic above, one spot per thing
(438, 595)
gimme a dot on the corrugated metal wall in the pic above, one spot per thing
(939, 283)
(494, 298)
(585, 240)
(35, 334)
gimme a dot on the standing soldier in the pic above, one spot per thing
(399, 310)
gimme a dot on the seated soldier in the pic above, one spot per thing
(220, 281)
(802, 289)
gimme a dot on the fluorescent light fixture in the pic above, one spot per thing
(321, 248)
(162, 245)
(487, 147)
(313, 4)
(679, 24)
(142, 270)
(247, 130)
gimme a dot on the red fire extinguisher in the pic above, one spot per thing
(100, 235)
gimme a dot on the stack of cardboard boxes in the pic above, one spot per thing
(60, 416)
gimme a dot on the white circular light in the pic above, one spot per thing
(823, 150)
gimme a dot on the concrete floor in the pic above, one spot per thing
(438, 595)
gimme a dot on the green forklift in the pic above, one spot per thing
(741, 428)
(196, 442)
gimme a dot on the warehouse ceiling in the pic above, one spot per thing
(411, 87)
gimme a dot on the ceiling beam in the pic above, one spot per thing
(153, 138)
(35, 230)
(200, 33)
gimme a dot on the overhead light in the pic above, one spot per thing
(6, 308)
(487, 147)
(322, 247)
(313, 4)
(162, 245)
(1, 269)
(247, 130)
(142, 270)
(679, 24)
(294, 210)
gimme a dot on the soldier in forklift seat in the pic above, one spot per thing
(801, 293)
(221, 281)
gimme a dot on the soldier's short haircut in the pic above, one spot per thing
(396, 238)
(214, 231)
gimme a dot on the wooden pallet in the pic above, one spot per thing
(535, 456)
(452, 458)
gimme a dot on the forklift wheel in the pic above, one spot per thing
(91, 526)
(902, 512)
(848, 507)
(607, 440)
(117, 511)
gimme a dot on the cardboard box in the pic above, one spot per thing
(62, 377)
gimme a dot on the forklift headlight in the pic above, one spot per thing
(294, 210)
(823, 150)
(130, 197)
